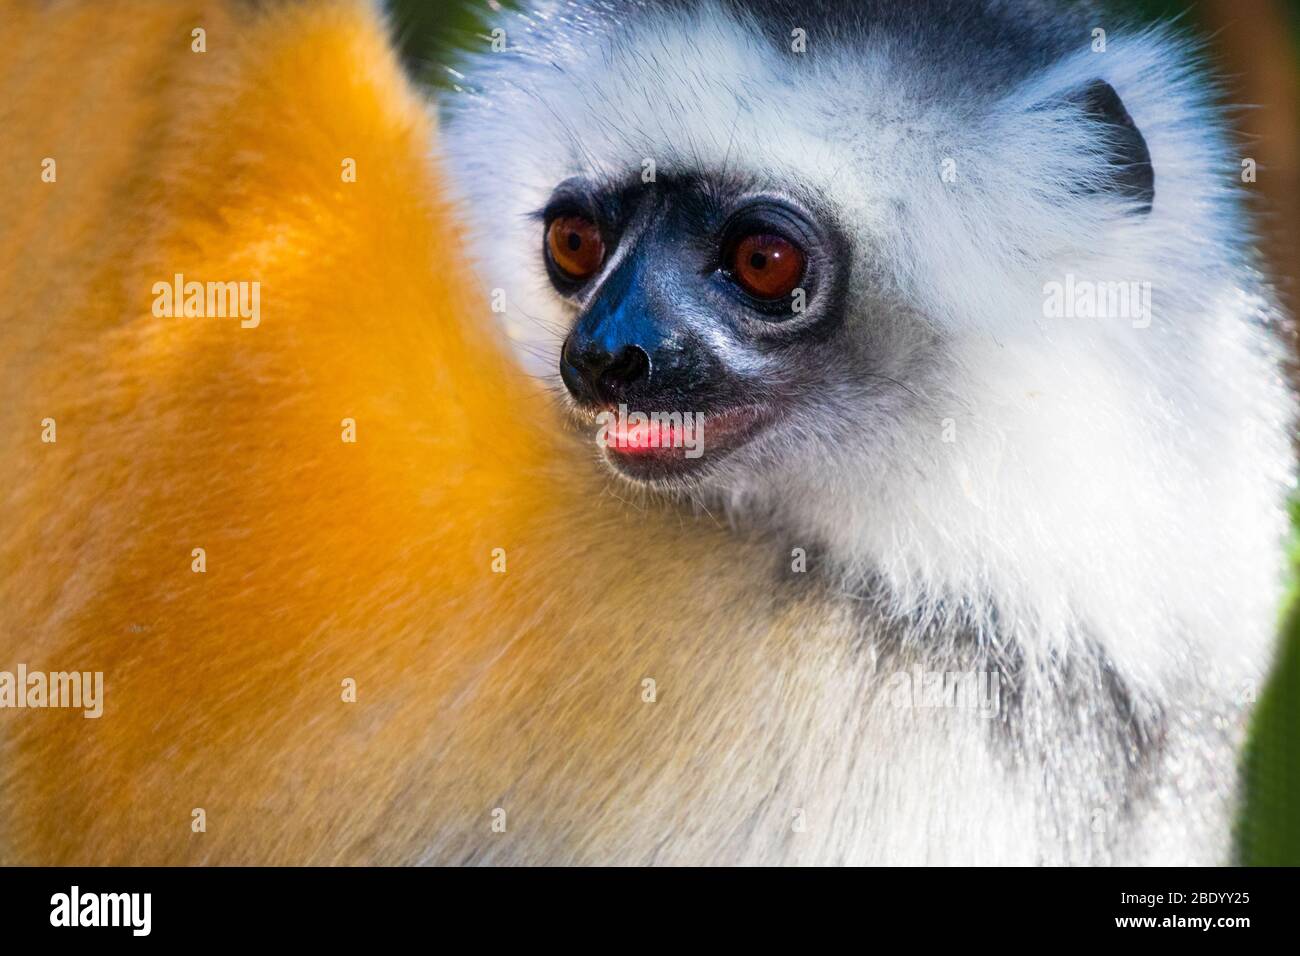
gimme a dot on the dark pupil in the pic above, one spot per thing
(575, 242)
(758, 260)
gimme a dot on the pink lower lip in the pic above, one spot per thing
(646, 438)
(652, 438)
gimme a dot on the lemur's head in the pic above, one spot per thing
(827, 227)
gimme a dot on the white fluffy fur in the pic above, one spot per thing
(1109, 486)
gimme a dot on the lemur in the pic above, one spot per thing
(970, 569)
(885, 248)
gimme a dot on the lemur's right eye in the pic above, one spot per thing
(575, 246)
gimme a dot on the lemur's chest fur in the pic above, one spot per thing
(809, 729)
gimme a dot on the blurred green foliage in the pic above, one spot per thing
(430, 32)
(1269, 829)
(1268, 833)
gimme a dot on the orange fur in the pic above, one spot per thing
(325, 560)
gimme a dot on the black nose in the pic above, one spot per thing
(594, 375)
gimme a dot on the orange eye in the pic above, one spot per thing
(575, 246)
(767, 266)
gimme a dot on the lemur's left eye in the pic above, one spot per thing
(575, 246)
(767, 266)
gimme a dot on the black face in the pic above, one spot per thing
(693, 301)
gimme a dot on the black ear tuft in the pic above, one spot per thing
(1130, 160)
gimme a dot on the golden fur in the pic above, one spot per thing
(328, 560)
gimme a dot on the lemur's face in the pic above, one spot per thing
(696, 303)
(833, 253)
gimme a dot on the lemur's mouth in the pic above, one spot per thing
(659, 446)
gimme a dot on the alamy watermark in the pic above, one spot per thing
(917, 689)
(632, 431)
(216, 300)
(1087, 299)
(74, 908)
(78, 690)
